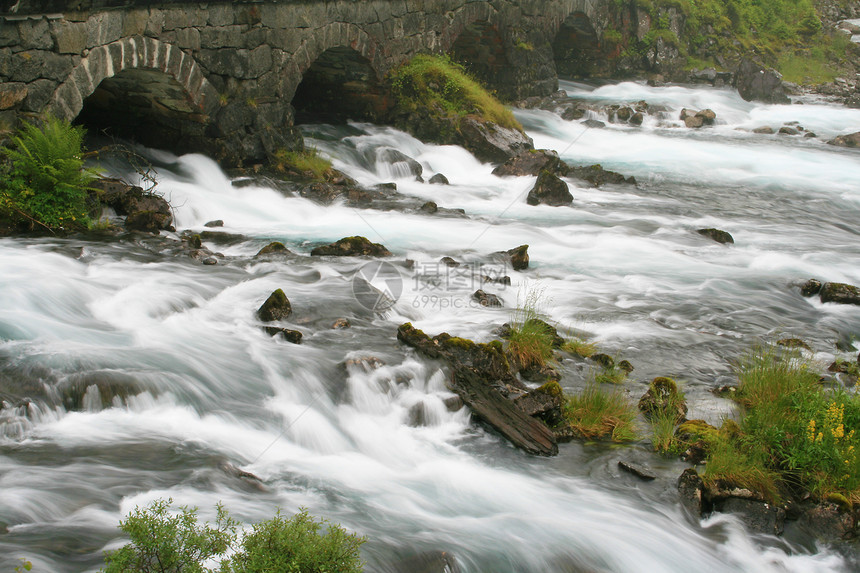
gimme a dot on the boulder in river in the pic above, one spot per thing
(519, 257)
(717, 235)
(758, 516)
(828, 521)
(276, 307)
(840, 293)
(533, 162)
(693, 118)
(352, 247)
(439, 179)
(492, 142)
(850, 140)
(486, 299)
(638, 470)
(402, 165)
(287, 334)
(758, 83)
(551, 190)
(692, 492)
(143, 211)
(273, 248)
(810, 288)
(597, 175)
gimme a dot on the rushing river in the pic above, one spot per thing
(206, 387)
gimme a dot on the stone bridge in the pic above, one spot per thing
(232, 79)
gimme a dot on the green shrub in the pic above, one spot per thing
(598, 413)
(44, 180)
(437, 83)
(163, 541)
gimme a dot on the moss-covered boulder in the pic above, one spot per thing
(533, 162)
(663, 399)
(840, 293)
(273, 249)
(352, 247)
(549, 189)
(276, 307)
(597, 175)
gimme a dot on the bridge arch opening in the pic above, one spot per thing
(576, 48)
(480, 49)
(147, 106)
(340, 85)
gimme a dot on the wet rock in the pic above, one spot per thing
(287, 334)
(449, 262)
(810, 288)
(549, 190)
(364, 364)
(438, 179)
(144, 211)
(215, 223)
(593, 124)
(545, 401)
(764, 130)
(100, 389)
(417, 415)
(827, 521)
(491, 142)
(490, 406)
(597, 175)
(276, 307)
(501, 280)
(625, 366)
(840, 293)
(691, 490)
(785, 130)
(519, 257)
(636, 119)
(662, 399)
(453, 403)
(273, 248)
(401, 164)
(623, 114)
(238, 473)
(351, 247)
(695, 119)
(717, 235)
(341, 323)
(429, 207)
(486, 299)
(603, 360)
(639, 471)
(539, 373)
(533, 162)
(757, 83)
(850, 140)
(195, 241)
(757, 516)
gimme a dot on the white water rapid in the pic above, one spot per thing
(193, 383)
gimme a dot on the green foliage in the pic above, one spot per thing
(437, 83)
(663, 433)
(530, 341)
(298, 545)
(24, 566)
(793, 434)
(579, 346)
(307, 161)
(611, 374)
(44, 179)
(598, 413)
(164, 541)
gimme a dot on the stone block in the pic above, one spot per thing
(12, 94)
(221, 14)
(35, 35)
(69, 37)
(39, 94)
(188, 38)
(134, 22)
(9, 35)
(104, 28)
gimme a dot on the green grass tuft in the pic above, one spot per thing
(598, 413)
(308, 161)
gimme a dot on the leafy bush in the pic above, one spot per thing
(163, 541)
(44, 180)
(437, 83)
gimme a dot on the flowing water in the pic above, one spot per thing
(190, 383)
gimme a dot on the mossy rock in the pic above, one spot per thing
(273, 248)
(351, 247)
(276, 307)
(663, 398)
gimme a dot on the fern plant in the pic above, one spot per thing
(45, 181)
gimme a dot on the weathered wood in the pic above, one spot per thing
(488, 404)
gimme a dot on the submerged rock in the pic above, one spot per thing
(638, 470)
(828, 521)
(429, 207)
(717, 235)
(273, 248)
(276, 307)
(764, 130)
(549, 189)
(692, 491)
(492, 142)
(810, 288)
(757, 516)
(850, 140)
(840, 293)
(215, 223)
(427, 562)
(439, 179)
(287, 334)
(486, 299)
(351, 247)
(597, 175)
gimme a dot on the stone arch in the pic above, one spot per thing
(576, 47)
(336, 76)
(135, 82)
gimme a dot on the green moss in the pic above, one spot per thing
(435, 84)
(599, 413)
(551, 388)
(307, 163)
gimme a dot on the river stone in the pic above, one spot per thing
(276, 307)
(636, 119)
(850, 140)
(602, 359)
(519, 257)
(597, 175)
(758, 516)
(786, 130)
(287, 334)
(550, 190)
(491, 142)
(810, 288)
(214, 224)
(429, 207)
(840, 293)
(545, 401)
(827, 521)
(593, 124)
(438, 179)
(395, 158)
(351, 247)
(486, 299)
(691, 490)
(639, 471)
(273, 248)
(533, 162)
(765, 130)
(427, 562)
(717, 235)
(757, 83)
